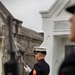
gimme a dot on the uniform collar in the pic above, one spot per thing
(41, 60)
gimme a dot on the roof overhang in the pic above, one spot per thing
(53, 10)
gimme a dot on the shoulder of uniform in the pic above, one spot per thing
(37, 66)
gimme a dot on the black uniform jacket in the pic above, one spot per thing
(40, 68)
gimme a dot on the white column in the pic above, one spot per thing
(48, 40)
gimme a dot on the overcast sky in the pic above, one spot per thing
(28, 11)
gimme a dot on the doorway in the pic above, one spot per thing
(69, 49)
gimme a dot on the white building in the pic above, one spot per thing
(56, 27)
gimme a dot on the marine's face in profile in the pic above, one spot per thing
(72, 33)
(36, 54)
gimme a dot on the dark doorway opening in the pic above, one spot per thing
(69, 49)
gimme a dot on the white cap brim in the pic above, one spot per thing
(40, 48)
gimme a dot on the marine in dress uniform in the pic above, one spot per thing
(42, 67)
(68, 65)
